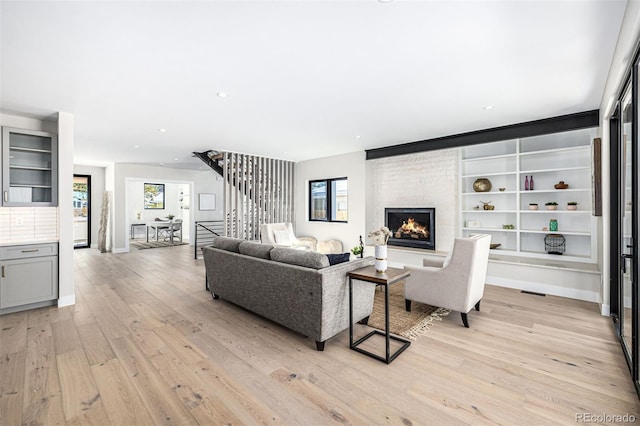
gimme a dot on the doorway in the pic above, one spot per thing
(625, 297)
(81, 211)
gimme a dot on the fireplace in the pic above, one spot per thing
(411, 227)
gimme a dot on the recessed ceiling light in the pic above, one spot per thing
(357, 136)
(222, 94)
(161, 164)
(385, 1)
(176, 159)
(136, 146)
(488, 107)
(162, 130)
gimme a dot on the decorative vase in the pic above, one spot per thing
(572, 207)
(381, 257)
(533, 207)
(553, 225)
(552, 207)
(482, 185)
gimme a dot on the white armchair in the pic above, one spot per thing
(281, 234)
(458, 284)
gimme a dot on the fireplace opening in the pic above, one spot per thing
(411, 227)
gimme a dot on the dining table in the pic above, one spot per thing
(159, 225)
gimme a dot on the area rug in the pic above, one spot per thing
(408, 324)
(140, 245)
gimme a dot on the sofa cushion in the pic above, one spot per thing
(255, 249)
(227, 243)
(334, 259)
(308, 259)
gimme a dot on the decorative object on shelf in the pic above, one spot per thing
(501, 189)
(482, 185)
(359, 249)
(572, 205)
(533, 206)
(554, 243)
(508, 226)
(561, 185)
(138, 215)
(553, 225)
(494, 245)
(473, 224)
(531, 183)
(476, 207)
(170, 216)
(551, 205)
(526, 183)
(487, 206)
(381, 237)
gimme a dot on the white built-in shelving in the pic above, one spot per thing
(549, 159)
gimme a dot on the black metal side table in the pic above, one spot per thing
(390, 276)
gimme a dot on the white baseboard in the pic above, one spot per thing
(120, 250)
(67, 300)
(536, 287)
(605, 310)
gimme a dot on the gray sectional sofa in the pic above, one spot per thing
(295, 288)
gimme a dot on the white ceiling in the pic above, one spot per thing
(305, 79)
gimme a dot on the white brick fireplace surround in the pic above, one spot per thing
(431, 179)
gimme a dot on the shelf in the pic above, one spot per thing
(21, 185)
(491, 157)
(489, 211)
(547, 191)
(489, 192)
(21, 149)
(576, 233)
(567, 169)
(42, 169)
(556, 211)
(475, 175)
(490, 229)
(556, 150)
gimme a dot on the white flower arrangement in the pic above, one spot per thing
(380, 236)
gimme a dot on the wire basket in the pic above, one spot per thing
(555, 243)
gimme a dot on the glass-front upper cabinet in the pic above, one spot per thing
(29, 168)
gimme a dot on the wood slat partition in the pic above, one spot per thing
(256, 190)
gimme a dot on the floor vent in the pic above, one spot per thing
(532, 292)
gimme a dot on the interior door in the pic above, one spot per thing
(81, 211)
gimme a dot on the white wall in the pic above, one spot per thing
(66, 290)
(204, 181)
(353, 167)
(97, 189)
(628, 38)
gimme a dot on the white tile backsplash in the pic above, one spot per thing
(28, 224)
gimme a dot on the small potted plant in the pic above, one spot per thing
(572, 205)
(551, 205)
(170, 216)
(533, 206)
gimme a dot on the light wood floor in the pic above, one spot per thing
(145, 344)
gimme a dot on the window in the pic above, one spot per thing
(328, 200)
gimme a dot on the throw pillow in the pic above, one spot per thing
(334, 259)
(282, 238)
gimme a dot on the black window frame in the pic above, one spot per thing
(329, 206)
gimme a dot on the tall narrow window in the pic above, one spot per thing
(328, 200)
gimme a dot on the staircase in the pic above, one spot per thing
(256, 190)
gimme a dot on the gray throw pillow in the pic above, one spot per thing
(255, 249)
(308, 259)
(227, 243)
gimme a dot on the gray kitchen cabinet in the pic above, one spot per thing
(29, 276)
(29, 168)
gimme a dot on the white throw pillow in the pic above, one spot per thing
(282, 238)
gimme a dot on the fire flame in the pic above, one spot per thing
(413, 227)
